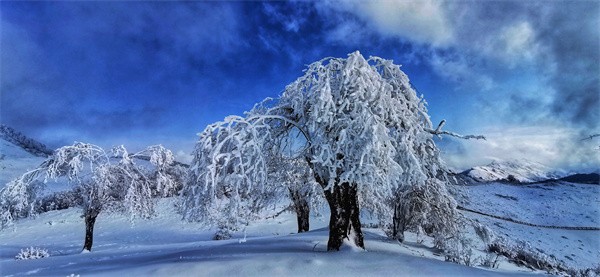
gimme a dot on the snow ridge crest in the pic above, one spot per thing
(30, 145)
(519, 171)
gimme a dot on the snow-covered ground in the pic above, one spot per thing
(167, 246)
(552, 204)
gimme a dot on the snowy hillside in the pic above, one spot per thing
(167, 246)
(561, 212)
(18, 154)
(28, 144)
(522, 171)
(14, 161)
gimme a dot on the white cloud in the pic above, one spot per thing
(519, 37)
(556, 147)
(421, 21)
(183, 157)
(513, 44)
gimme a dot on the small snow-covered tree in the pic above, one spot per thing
(228, 179)
(368, 140)
(17, 198)
(303, 192)
(107, 182)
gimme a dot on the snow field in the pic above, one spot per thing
(167, 246)
(552, 204)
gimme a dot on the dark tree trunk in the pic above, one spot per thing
(344, 222)
(302, 210)
(398, 223)
(90, 220)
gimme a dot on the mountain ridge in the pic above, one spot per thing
(514, 171)
(30, 145)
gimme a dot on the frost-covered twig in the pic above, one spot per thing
(438, 132)
(286, 209)
(591, 137)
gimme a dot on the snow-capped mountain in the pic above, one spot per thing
(18, 154)
(523, 171)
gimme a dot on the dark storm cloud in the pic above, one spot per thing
(561, 53)
(105, 67)
(573, 36)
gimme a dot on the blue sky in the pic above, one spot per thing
(524, 73)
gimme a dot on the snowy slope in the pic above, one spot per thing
(166, 246)
(14, 161)
(523, 171)
(18, 154)
(28, 144)
(560, 204)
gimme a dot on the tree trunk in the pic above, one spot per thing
(90, 220)
(344, 222)
(302, 210)
(398, 223)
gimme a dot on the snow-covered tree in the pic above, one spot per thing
(368, 142)
(303, 192)
(228, 179)
(18, 197)
(107, 182)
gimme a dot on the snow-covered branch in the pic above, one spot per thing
(591, 137)
(438, 132)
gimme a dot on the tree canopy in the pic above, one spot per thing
(367, 139)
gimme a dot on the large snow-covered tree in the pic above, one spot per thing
(110, 181)
(368, 143)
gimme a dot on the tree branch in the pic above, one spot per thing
(591, 137)
(438, 132)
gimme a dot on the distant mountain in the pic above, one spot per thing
(591, 178)
(517, 171)
(30, 145)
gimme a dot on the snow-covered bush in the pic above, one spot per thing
(588, 272)
(483, 232)
(521, 253)
(32, 253)
(458, 250)
(224, 231)
(426, 206)
(367, 139)
(491, 260)
(18, 198)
